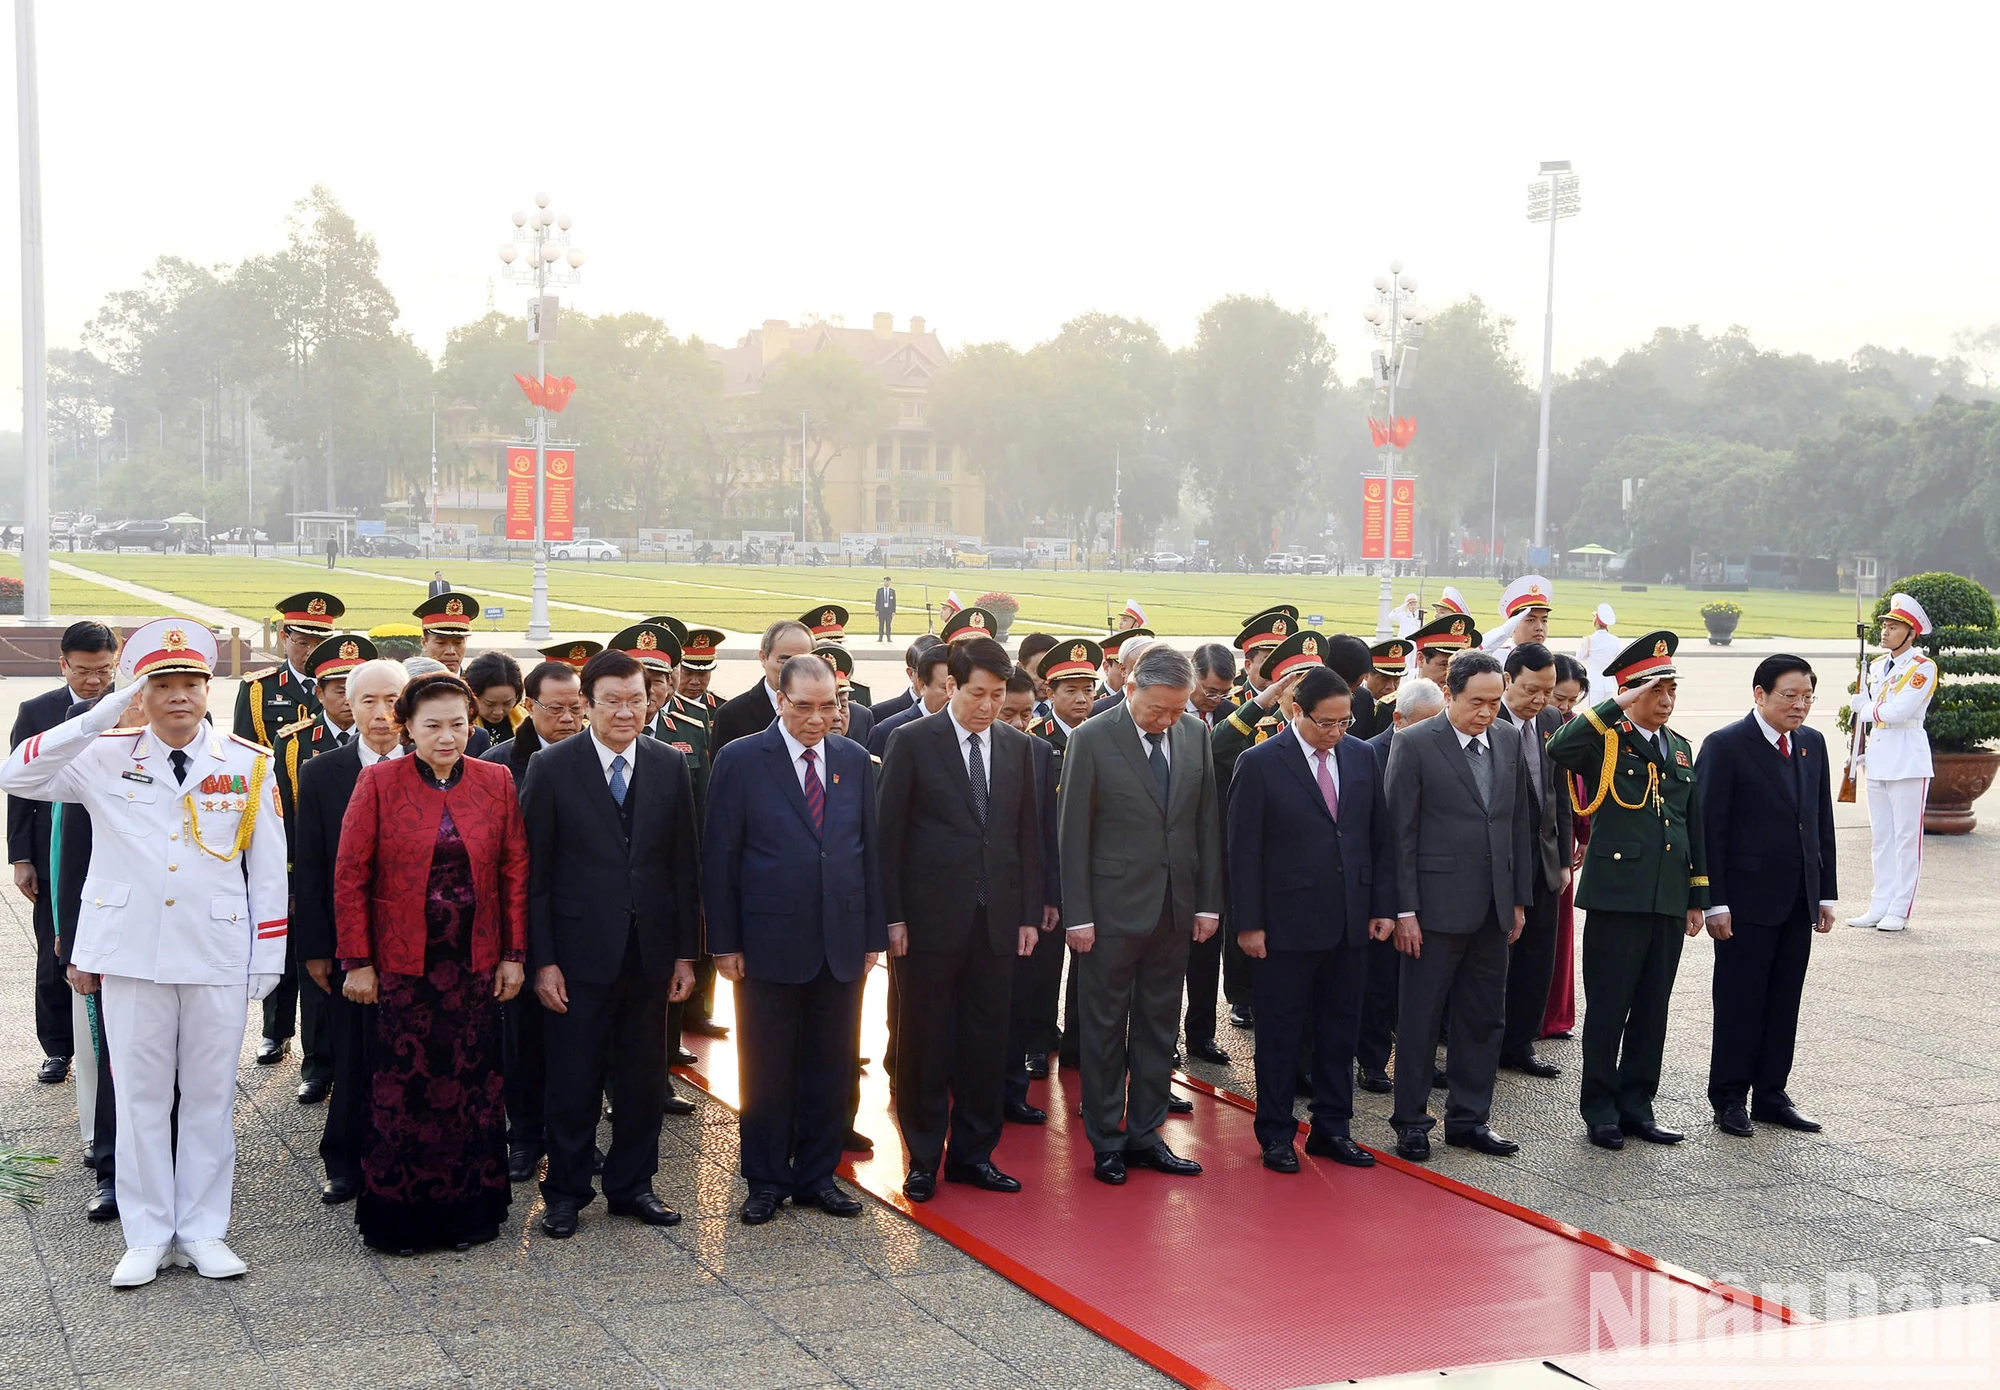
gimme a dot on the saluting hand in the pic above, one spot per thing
(1630, 697)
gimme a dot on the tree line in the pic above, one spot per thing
(289, 366)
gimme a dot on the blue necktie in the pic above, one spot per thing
(618, 779)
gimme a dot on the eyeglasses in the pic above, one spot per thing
(1329, 726)
(614, 706)
(1777, 698)
(559, 711)
(825, 711)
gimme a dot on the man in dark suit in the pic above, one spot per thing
(896, 704)
(1767, 812)
(1458, 799)
(793, 895)
(932, 690)
(1416, 700)
(1313, 872)
(88, 663)
(1031, 1010)
(1142, 880)
(555, 711)
(613, 931)
(326, 785)
(1531, 681)
(69, 867)
(885, 610)
(753, 710)
(962, 887)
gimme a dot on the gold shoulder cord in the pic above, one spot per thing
(247, 824)
(1605, 777)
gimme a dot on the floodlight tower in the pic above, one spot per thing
(1550, 199)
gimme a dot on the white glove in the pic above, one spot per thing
(261, 985)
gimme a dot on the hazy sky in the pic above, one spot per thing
(1821, 177)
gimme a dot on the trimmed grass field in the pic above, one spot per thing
(746, 598)
(79, 598)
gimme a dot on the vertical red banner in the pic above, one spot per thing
(560, 523)
(1403, 520)
(520, 493)
(1374, 516)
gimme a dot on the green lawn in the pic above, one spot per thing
(71, 597)
(747, 598)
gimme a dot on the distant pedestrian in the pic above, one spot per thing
(332, 551)
(439, 584)
(885, 610)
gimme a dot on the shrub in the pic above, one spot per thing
(998, 601)
(1721, 608)
(11, 587)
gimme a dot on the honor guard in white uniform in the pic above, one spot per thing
(1525, 605)
(1596, 651)
(1894, 694)
(183, 921)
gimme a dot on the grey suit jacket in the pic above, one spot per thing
(1121, 850)
(1460, 858)
(1555, 824)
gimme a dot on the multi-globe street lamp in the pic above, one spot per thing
(1396, 319)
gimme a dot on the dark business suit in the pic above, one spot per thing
(523, 1045)
(614, 897)
(1466, 861)
(326, 785)
(1310, 884)
(746, 714)
(877, 742)
(1531, 961)
(69, 861)
(1031, 1011)
(1769, 824)
(28, 842)
(885, 613)
(1377, 1040)
(964, 873)
(891, 707)
(803, 906)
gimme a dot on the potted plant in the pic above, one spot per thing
(397, 641)
(1721, 617)
(11, 594)
(1003, 606)
(1964, 715)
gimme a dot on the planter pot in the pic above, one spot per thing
(11, 604)
(1006, 626)
(1721, 627)
(1957, 780)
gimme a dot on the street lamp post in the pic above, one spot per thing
(1393, 316)
(34, 332)
(1549, 201)
(546, 248)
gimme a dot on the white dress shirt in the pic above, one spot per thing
(965, 737)
(1146, 745)
(1312, 760)
(797, 752)
(605, 754)
(369, 757)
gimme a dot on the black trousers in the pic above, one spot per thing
(883, 622)
(622, 1024)
(1031, 1012)
(1760, 974)
(951, 1058)
(795, 1047)
(1629, 963)
(1237, 970)
(102, 1155)
(1377, 1040)
(1204, 973)
(1531, 964)
(1295, 989)
(54, 1026)
(1465, 972)
(524, 1068)
(297, 997)
(347, 1024)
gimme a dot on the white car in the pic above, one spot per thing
(584, 550)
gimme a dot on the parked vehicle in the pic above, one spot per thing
(387, 548)
(157, 536)
(584, 550)
(1166, 561)
(1316, 564)
(1009, 557)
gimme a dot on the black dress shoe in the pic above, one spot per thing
(1607, 1136)
(1162, 1159)
(1376, 1081)
(1240, 1016)
(1109, 1167)
(521, 1164)
(1653, 1132)
(335, 1191)
(983, 1176)
(596, 1161)
(1340, 1149)
(1021, 1113)
(1208, 1052)
(52, 1070)
(760, 1207)
(1787, 1115)
(1282, 1158)
(1439, 1081)
(676, 1105)
(1179, 1105)
(1414, 1146)
(684, 1058)
(1038, 1065)
(1529, 1064)
(1734, 1119)
(855, 1142)
(704, 1027)
(313, 1092)
(103, 1203)
(920, 1185)
(272, 1050)
(559, 1221)
(1484, 1140)
(830, 1200)
(647, 1208)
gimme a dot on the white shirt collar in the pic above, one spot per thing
(605, 754)
(962, 732)
(1146, 743)
(1770, 734)
(1312, 755)
(369, 757)
(1464, 738)
(1067, 729)
(770, 693)
(300, 676)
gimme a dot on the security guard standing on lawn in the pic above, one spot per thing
(323, 732)
(828, 623)
(1645, 884)
(269, 699)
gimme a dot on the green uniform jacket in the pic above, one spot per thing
(680, 725)
(1052, 734)
(1243, 727)
(1647, 851)
(270, 699)
(293, 746)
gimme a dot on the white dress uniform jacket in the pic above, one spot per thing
(157, 905)
(1893, 702)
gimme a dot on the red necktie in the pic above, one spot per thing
(815, 793)
(1784, 746)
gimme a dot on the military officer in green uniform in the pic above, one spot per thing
(331, 727)
(1433, 645)
(447, 621)
(1645, 884)
(1254, 639)
(269, 699)
(828, 623)
(1070, 667)
(697, 669)
(571, 654)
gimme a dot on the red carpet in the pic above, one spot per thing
(1246, 1279)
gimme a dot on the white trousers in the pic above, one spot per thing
(84, 1068)
(1896, 832)
(160, 1035)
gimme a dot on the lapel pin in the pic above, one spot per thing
(836, 779)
